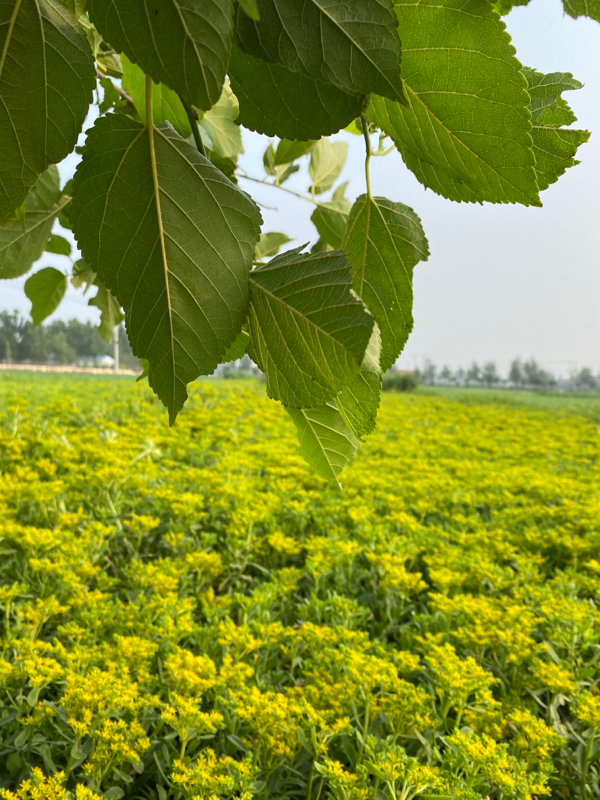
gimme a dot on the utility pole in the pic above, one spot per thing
(116, 349)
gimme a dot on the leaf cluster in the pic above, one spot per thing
(172, 241)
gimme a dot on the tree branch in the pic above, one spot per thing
(118, 89)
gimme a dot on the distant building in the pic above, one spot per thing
(96, 361)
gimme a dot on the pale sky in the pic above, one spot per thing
(501, 281)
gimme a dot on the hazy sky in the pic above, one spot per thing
(501, 280)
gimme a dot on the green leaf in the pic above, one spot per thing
(308, 331)
(583, 8)
(111, 97)
(166, 106)
(110, 311)
(327, 160)
(330, 220)
(226, 136)
(42, 52)
(174, 245)
(385, 241)
(288, 151)
(277, 102)
(76, 7)
(553, 145)
(45, 289)
(238, 348)
(250, 7)
(325, 440)
(270, 244)
(23, 238)
(83, 273)
(145, 370)
(353, 45)
(503, 7)
(269, 160)
(358, 402)
(183, 44)
(466, 132)
(58, 245)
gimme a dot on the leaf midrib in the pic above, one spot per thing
(11, 26)
(49, 214)
(299, 315)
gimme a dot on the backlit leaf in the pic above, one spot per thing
(270, 244)
(466, 132)
(46, 72)
(225, 135)
(278, 102)
(238, 348)
(288, 151)
(308, 331)
(183, 43)
(45, 289)
(23, 239)
(384, 241)
(358, 402)
(583, 8)
(166, 106)
(327, 160)
(330, 220)
(110, 311)
(353, 45)
(174, 246)
(325, 440)
(58, 245)
(554, 145)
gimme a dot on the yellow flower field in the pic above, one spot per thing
(188, 613)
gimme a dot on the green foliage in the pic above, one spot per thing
(25, 236)
(399, 382)
(385, 241)
(352, 45)
(466, 132)
(169, 236)
(45, 289)
(554, 145)
(165, 267)
(276, 101)
(183, 44)
(165, 103)
(42, 51)
(327, 328)
(325, 440)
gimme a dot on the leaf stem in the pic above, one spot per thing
(161, 232)
(369, 154)
(192, 115)
(282, 188)
(118, 89)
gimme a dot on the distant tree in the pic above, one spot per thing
(59, 349)
(516, 375)
(429, 373)
(489, 374)
(585, 381)
(474, 373)
(537, 377)
(446, 375)
(460, 376)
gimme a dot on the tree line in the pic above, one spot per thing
(57, 342)
(521, 375)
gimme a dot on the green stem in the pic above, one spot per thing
(369, 153)
(310, 779)
(586, 764)
(281, 188)
(192, 115)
